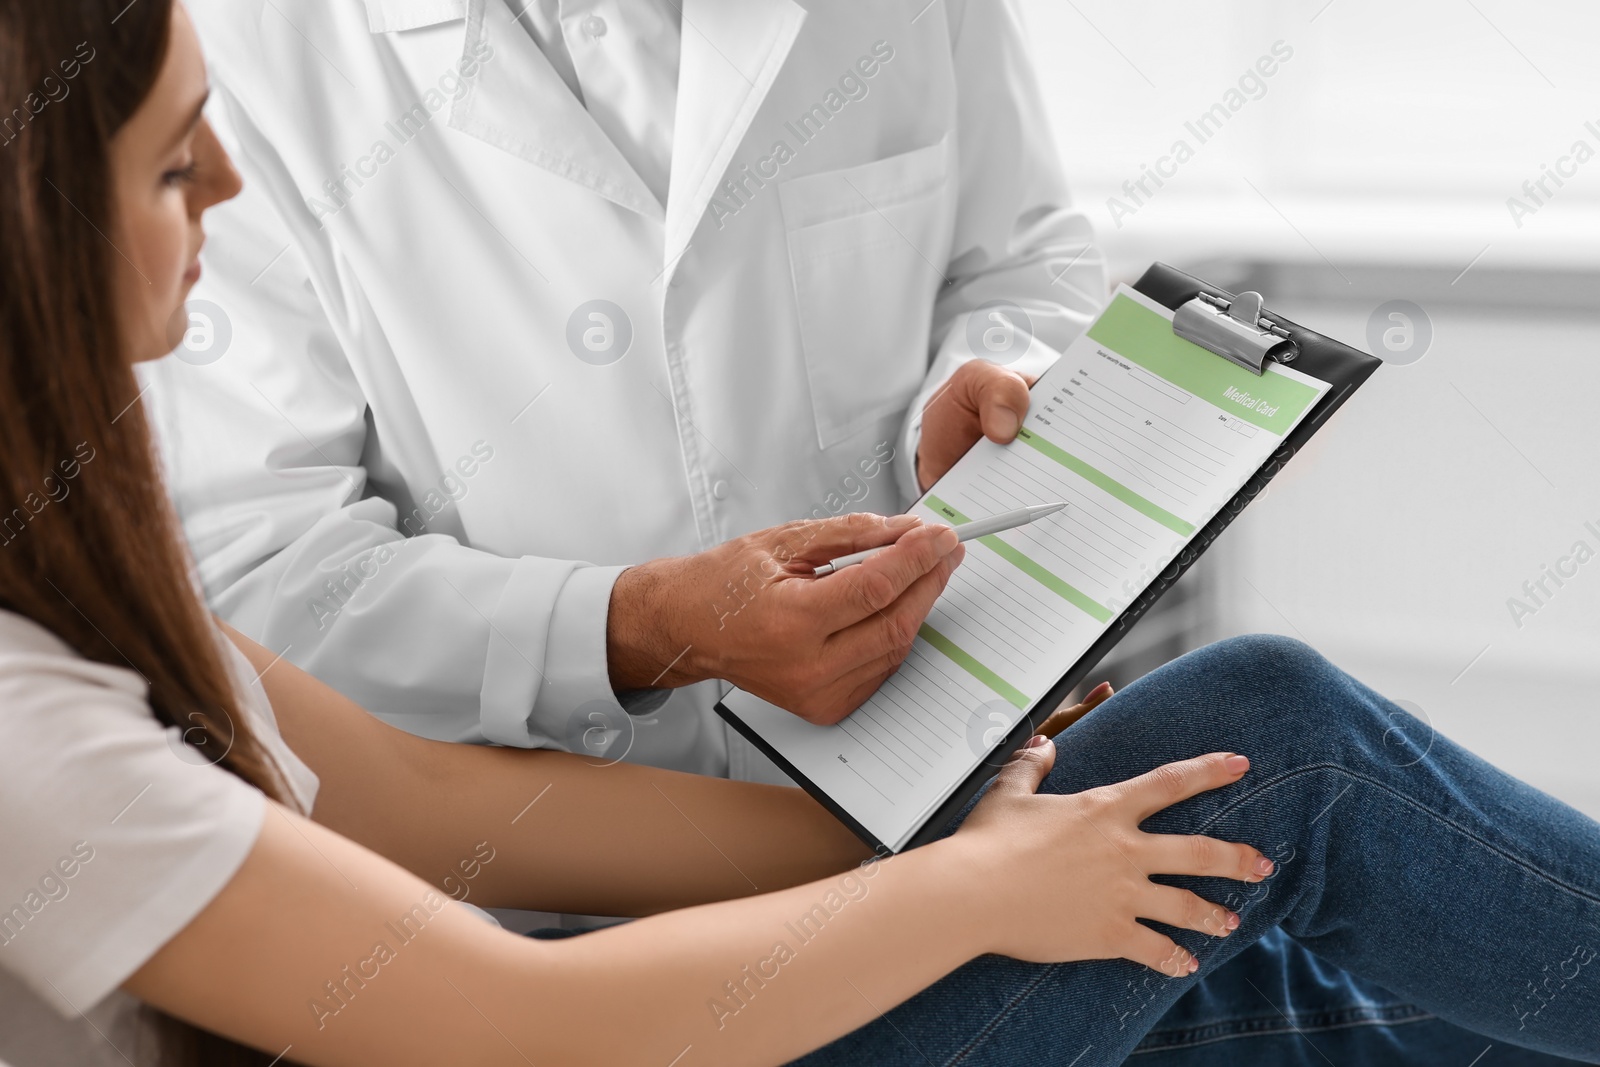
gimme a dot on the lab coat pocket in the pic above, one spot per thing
(867, 248)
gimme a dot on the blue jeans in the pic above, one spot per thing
(1402, 858)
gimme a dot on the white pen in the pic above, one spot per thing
(965, 532)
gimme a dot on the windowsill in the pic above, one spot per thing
(1349, 231)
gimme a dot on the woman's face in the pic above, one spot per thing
(167, 168)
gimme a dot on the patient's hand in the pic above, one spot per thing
(1066, 715)
(750, 612)
(1083, 855)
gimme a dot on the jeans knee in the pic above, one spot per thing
(1267, 656)
(1276, 690)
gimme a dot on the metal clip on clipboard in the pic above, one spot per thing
(1235, 329)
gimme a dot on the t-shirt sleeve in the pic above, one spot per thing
(116, 834)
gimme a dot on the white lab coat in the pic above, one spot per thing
(400, 472)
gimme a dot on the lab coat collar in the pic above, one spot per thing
(519, 104)
(732, 51)
(391, 16)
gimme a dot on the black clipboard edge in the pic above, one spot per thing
(1344, 368)
(817, 793)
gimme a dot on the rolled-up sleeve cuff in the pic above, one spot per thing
(546, 667)
(905, 460)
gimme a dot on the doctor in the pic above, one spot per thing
(521, 294)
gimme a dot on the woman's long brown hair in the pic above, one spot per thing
(90, 548)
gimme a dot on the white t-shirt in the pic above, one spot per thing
(114, 835)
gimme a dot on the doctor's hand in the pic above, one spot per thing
(750, 612)
(981, 399)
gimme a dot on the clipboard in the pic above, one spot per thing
(1238, 328)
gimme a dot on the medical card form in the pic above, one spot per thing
(1146, 436)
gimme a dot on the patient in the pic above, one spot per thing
(193, 825)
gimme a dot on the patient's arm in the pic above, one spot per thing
(288, 955)
(604, 840)
(325, 951)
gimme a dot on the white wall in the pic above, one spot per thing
(1377, 163)
(1391, 121)
(1426, 518)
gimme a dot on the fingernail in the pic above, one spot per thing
(1233, 920)
(1008, 423)
(1194, 964)
(900, 522)
(1103, 687)
(1263, 866)
(1236, 764)
(946, 540)
(1036, 740)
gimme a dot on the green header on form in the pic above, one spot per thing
(1144, 337)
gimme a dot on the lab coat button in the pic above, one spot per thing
(721, 489)
(594, 26)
